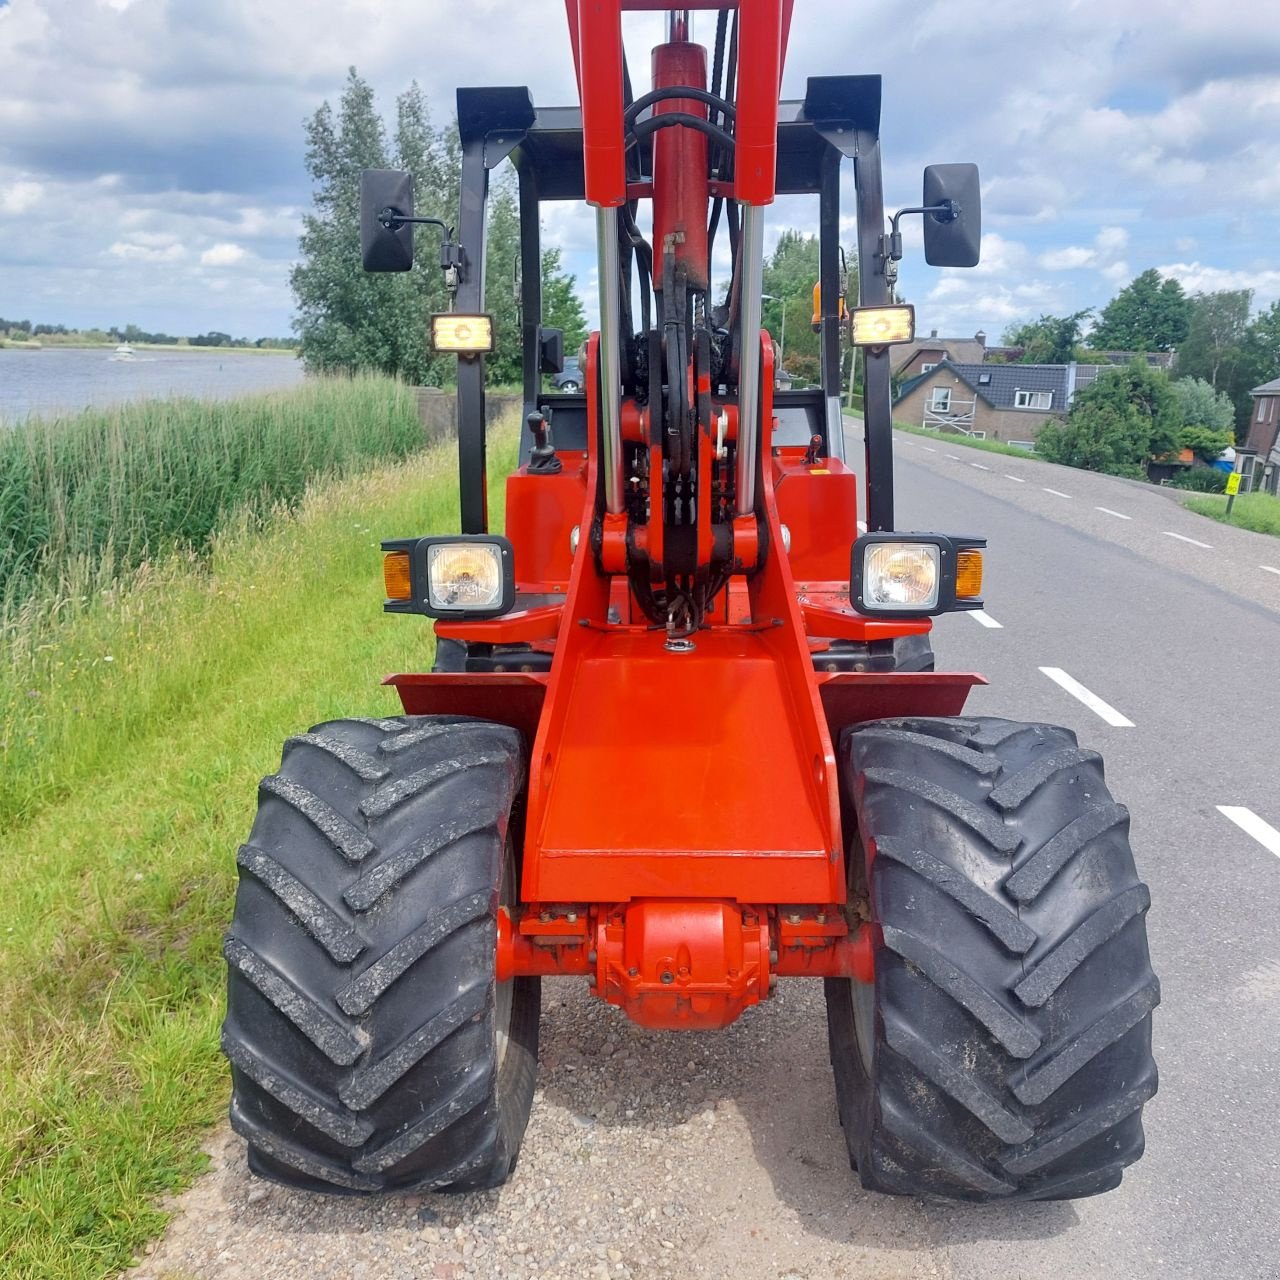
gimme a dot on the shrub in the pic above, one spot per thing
(1200, 480)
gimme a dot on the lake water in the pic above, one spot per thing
(60, 380)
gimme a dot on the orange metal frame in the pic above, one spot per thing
(682, 835)
(683, 841)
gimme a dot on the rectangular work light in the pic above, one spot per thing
(463, 576)
(915, 575)
(882, 326)
(463, 334)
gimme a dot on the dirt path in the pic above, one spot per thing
(707, 1155)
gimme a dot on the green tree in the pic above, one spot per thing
(1049, 340)
(561, 306)
(1206, 443)
(790, 274)
(789, 277)
(1261, 353)
(349, 319)
(1263, 341)
(502, 255)
(1148, 314)
(1217, 348)
(1199, 405)
(1116, 424)
(1216, 333)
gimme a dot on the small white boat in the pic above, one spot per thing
(123, 352)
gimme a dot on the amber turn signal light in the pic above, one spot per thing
(396, 577)
(968, 574)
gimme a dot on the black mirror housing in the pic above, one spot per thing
(384, 248)
(955, 240)
(551, 349)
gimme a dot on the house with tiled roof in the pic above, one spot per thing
(925, 353)
(1009, 402)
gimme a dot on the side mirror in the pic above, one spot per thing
(551, 349)
(952, 239)
(386, 247)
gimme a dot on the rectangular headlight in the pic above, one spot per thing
(915, 575)
(464, 576)
(882, 326)
(466, 335)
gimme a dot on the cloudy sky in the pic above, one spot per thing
(151, 151)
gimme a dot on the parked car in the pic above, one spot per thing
(569, 378)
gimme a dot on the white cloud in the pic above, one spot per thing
(1105, 256)
(133, 252)
(1196, 277)
(1069, 259)
(222, 255)
(19, 197)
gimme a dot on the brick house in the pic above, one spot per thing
(994, 401)
(1264, 421)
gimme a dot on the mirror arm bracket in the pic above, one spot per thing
(891, 245)
(452, 256)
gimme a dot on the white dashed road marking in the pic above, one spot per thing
(1119, 515)
(952, 456)
(1015, 479)
(1182, 537)
(1090, 699)
(1269, 569)
(979, 466)
(1249, 822)
(1056, 492)
(982, 616)
(926, 448)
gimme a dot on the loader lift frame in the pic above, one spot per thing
(570, 867)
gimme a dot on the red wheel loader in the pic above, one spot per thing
(683, 737)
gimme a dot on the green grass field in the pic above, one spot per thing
(137, 723)
(1259, 512)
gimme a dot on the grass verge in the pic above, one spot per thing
(1259, 512)
(954, 437)
(147, 716)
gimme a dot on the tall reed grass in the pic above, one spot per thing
(94, 495)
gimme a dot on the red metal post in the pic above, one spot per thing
(600, 89)
(680, 166)
(759, 82)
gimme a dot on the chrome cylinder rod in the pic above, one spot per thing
(679, 26)
(749, 360)
(610, 355)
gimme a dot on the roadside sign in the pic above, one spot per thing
(1233, 484)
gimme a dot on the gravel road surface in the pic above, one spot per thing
(719, 1154)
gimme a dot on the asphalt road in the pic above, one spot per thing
(719, 1155)
(1183, 640)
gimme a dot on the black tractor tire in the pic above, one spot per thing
(1003, 1052)
(371, 1047)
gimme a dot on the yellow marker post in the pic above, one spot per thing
(1233, 487)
